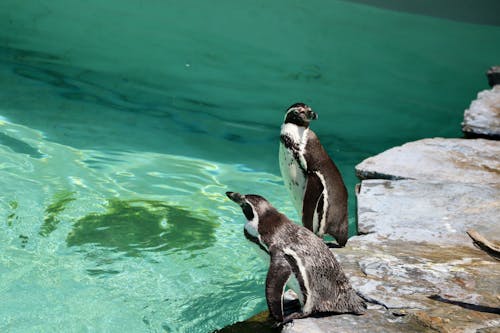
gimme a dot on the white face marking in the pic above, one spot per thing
(293, 177)
(307, 306)
(252, 227)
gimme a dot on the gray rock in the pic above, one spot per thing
(437, 159)
(416, 265)
(482, 118)
(414, 262)
(424, 211)
(416, 247)
(374, 321)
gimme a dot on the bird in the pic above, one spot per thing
(313, 180)
(299, 259)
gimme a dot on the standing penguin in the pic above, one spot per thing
(313, 180)
(298, 259)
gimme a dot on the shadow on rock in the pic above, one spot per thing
(469, 306)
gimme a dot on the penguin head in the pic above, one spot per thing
(300, 115)
(254, 207)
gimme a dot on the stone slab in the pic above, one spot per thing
(416, 264)
(482, 118)
(374, 321)
(403, 285)
(437, 213)
(437, 159)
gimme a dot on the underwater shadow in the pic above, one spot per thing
(135, 227)
(19, 146)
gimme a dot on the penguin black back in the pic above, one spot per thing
(299, 259)
(311, 177)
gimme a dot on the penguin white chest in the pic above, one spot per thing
(293, 165)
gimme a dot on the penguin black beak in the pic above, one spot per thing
(313, 115)
(236, 197)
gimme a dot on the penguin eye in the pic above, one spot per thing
(248, 211)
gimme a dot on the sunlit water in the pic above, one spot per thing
(121, 241)
(123, 124)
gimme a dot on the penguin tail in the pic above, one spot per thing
(357, 304)
(339, 232)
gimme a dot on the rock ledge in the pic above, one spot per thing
(482, 118)
(415, 261)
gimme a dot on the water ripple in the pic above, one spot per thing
(149, 230)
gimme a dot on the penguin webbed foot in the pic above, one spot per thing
(292, 310)
(291, 305)
(277, 324)
(293, 316)
(280, 322)
(333, 245)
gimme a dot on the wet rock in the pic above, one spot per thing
(482, 118)
(260, 323)
(437, 159)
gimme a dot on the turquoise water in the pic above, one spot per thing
(123, 123)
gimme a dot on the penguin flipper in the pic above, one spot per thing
(313, 191)
(277, 276)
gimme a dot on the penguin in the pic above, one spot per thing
(300, 260)
(311, 177)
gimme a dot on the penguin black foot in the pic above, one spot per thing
(333, 245)
(293, 316)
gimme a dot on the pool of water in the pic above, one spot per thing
(123, 123)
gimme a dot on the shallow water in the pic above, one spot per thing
(121, 241)
(123, 124)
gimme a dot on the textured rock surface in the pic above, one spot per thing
(417, 211)
(416, 264)
(414, 261)
(372, 322)
(437, 159)
(482, 118)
